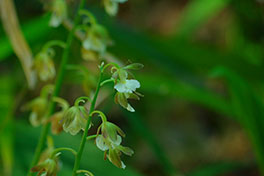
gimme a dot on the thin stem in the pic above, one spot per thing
(59, 80)
(111, 64)
(54, 43)
(89, 15)
(85, 171)
(91, 137)
(101, 114)
(81, 99)
(83, 141)
(63, 149)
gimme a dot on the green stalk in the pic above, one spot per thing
(58, 84)
(83, 140)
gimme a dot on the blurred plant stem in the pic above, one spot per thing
(58, 84)
(19, 44)
(84, 136)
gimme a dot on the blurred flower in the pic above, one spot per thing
(47, 168)
(56, 119)
(111, 6)
(44, 65)
(59, 13)
(39, 106)
(48, 164)
(95, 43)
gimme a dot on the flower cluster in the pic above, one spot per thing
(73, 119)
(110, 140)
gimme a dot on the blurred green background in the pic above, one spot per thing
(202, 113)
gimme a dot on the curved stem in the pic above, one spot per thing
(85, 171)
(101, 114)
(107, 81)
(59, 80)
(83, 141)
(63, 149)
(81, 99)
(110, 64)
(89, 15)
(54, 43)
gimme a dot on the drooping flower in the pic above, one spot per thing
(111, 131)
(59, 12)
(75, 118)
(111, 6)
(44, 65)
(38, 106)
(113, 149)
(110, 140)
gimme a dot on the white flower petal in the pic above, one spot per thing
(87, 44)
(129, 86)
(33, 118)
(111, 7)
(120, 87)
(55, 21)
(117, 142)
(100, 143)
(132, 84)
(130, 108)
(123, 165)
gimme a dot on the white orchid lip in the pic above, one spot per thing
(129, 86)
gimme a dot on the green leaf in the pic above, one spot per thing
(197, 13)
(248, 109)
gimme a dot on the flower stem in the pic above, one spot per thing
(53, 43)
(83, 140)
(63, 149)
(91, 137)
(58, 84)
